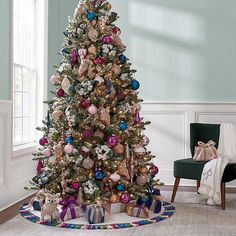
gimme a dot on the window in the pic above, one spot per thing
(28, 69)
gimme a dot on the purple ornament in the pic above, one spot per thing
(154, 170)
(98, 61)
(39, 167)
(43, 141)
(60, 92)
(107, 39)
(125, 198)
(116, 30)
(74, 57)
(84, 104)
(87, 134)
(137, 117)
(112, 141)
(120, 96)
(75, 186)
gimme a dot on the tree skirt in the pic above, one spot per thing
(115, 221)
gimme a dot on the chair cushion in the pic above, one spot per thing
(188, 168)
(229, 173)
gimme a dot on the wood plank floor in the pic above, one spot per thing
(192, 218)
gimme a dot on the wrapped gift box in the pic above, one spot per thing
(37, 204)
(114, 208)
(95, 214)
(157, 205)
(137, 211)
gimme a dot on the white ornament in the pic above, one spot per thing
(115, 177)
(65, 85)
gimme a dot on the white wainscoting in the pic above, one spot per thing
(169, 131)
(15, 172)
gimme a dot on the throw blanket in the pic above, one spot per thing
(214, 169)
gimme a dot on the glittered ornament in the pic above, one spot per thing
(93, 35)
(145, 141)
(82, 53)
(92, 109)
(40, 167)
(74, 57)
(116, 30)
(125, 198)
(88, 163)
(142, 180)
(60, 92)
(119, 149)
(75, 186)
(87, 134)
(153, 170)
(55, 79)
(107, 39)
(69, 140)
(90, 16)
(47, 153)
(114, 198)
(112, 141)
(92, 50)
(122, 126)
(98, 61)
(135, 84)
(84, 104)
(115, 177)
(120, 187)
(56, 114)
(68, 149)
(43, 141)
(99, 175)
(122, 59)
(142, 170)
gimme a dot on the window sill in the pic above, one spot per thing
(23, 150)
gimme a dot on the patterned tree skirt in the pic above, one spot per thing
(111, 221)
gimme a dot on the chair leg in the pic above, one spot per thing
(223, 195)
(198, 185)
(177, 179)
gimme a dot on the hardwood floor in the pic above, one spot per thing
(192, 218)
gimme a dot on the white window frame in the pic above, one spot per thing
(42, 77)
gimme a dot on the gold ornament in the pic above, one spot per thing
(93, 35)
(83, 68)
(92, 50)
(119, 149)
(88, 163)
(142, 180)
(114, 198)
(142, 170)
(116, 69)
(57, 114)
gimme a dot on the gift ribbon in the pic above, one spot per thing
(92, 213)
(68, 203)
(140, 208)
(205, 145)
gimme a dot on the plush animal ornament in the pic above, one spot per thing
(50, 207)
(79, 10)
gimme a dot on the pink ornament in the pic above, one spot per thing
(43, 141)
(92, 110)
(112, 141)
(84, 104)
(137, 117)
(47, 153)
(107, 39)
(68, 149)
(145, 141)
(98, 61)
(39, 167)
(75, 185)
(60, 92)
(82, 53)
(74, 57)
(116, 30)
(154, 170)
(87, 133)
(55, 79)
(125, 198)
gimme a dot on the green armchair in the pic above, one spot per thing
(190, 169)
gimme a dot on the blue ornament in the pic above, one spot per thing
(90, 16)
(122, 126)
(64, 51)
(72, 89)
(122, 59)
(69, 140)
(120, 187)
(135, 84)
(99, 175)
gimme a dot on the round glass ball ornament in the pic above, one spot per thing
(115, 177)
(84, 104)
(135, 84)
(69, 140)
(125, 198)
(43, 141)
(88, 163)
(116, 30)
(90, 16)
(75, 186)
(60, 92)
(92, 110)
(98, 61)
(145, 141)
(122, 126)
(114, 198)
(87, 134)
(68, 149)
(47, 153)
(153, 170)
(120, 187)
(107, 39)
(112, 141)
(122, 59)
(99, 175)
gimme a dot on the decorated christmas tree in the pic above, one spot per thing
(93, 146)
